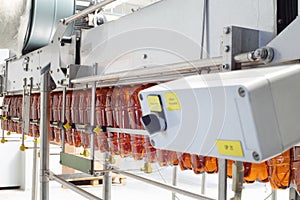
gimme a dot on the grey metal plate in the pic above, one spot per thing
(76, 162)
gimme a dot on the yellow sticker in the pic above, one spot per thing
(230, 148)
(172, 101)
(154, 104)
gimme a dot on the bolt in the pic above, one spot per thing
(226, 48)
(226, 30)
(255, 156)
(226, 66)
(141, 97)
(152, 142)
(242, 92)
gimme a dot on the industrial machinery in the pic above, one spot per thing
(206, 85)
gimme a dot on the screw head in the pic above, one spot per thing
(226, 48)
(255, 156)
(152, 142)
(242, 92)
(226, 30)
(226, 66)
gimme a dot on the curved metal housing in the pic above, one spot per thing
(45, 16)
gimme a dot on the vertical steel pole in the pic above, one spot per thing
(93, 111)
(222, 165)
(44, 130)
(34, 171)
(274, 195)
(174, 181)
(63, 111)
(107, 178)
(203, 182)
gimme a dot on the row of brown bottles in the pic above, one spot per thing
(276, 170)
(119, 107)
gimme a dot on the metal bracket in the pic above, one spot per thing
(237, 40)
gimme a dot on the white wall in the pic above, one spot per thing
(4, 53)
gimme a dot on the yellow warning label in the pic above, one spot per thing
(154, 104)
(172, 101)
(230, 148)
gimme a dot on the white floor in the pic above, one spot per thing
(136, 190)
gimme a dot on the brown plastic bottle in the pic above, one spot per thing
(74, 107)
(59, 107)
(162, 157)
(101, 118)
(109, 110)
(279, 169)
(85, 139)
(184, 161)
(19, 127)
(55, 105)
(35, 130)
(82, 103)
(50, 110)
(77, 138)
(68, 107)
(57, 133)
(38, 106)
(34, 106)
(70, 137)
(150, 151)
(211, 165)
(135, 113)
(296, 168)
(19, 107)
(122, 121)
(258, 171)
(88, 106)
(198, 163)
(51, 134)
(13, 106)
(6, 101)
(173, 159)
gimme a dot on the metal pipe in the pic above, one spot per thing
(44, 130)
(93, 111)
(174, 181)
(203, 182)
(63, 111)
(222, 193)
(34, 172)
(156, 71)
(74, 188)
(23, 106)
(164, 186)
(89, 10)
(274, 195)
(237, 179)
(107, 179)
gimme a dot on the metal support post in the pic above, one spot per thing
(203, 182)
(274, 195)
(107, 178)
(222, 193)
(237, 180)
(44, 130)
(34, 171)
(93, 111)
(174, 181)
(63, 111)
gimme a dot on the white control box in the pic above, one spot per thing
(248, 115)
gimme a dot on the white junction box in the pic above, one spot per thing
(248, 115)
